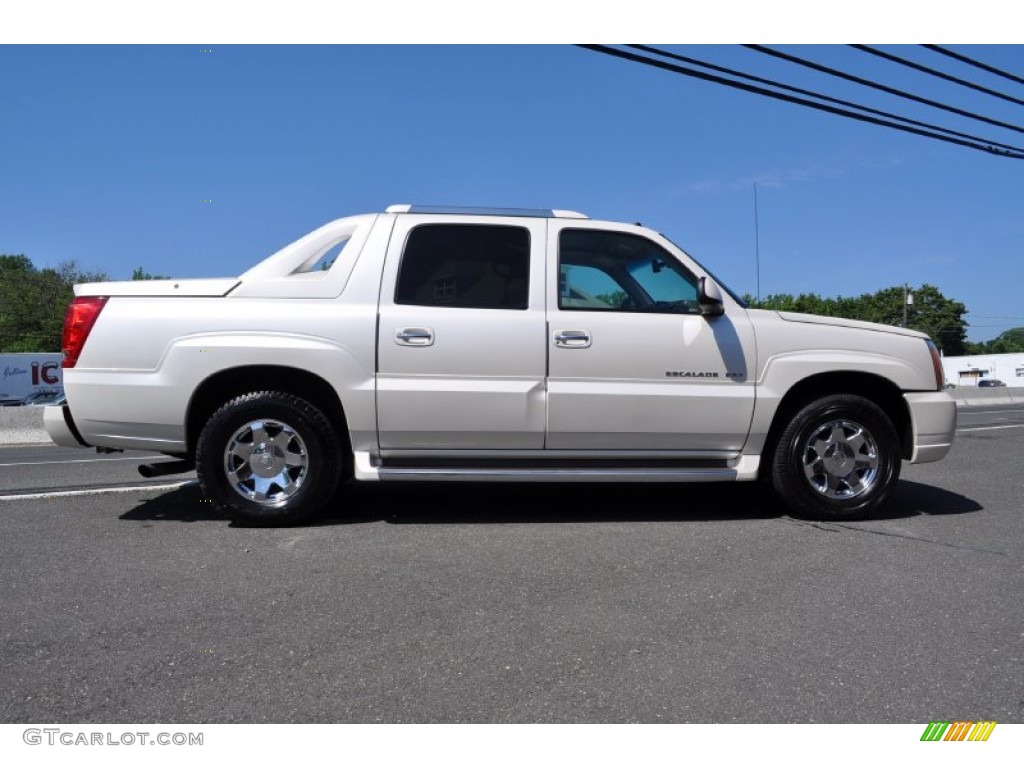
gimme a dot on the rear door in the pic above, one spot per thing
(461, 335)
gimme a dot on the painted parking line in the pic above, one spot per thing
(983, 429)
(95, 491)
(140, 459)
(979, 413)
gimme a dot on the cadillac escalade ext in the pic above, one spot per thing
(429, 343)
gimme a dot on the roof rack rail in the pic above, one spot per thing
(546, 213)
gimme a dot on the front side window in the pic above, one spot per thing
(473, 266)
(621, 272)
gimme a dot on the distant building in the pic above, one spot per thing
(968, 370)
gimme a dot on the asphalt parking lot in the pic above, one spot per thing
(518, 603)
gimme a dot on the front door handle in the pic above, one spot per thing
(414, 337)
(572, 339)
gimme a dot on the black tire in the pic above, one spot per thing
(838, 458)
(269, 459)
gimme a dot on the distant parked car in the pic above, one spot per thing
(991, 383)
(46, 397)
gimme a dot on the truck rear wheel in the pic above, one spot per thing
(269, 458)
(837, 458)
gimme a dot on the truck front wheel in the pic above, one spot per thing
(837, 458)
(269, 458)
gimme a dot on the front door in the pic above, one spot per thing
(633, 365)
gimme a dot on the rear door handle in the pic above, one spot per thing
(414, 337)
(572, 339)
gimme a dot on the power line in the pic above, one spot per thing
(816, 95)
(935, 73)
(879, 87)
(974, 62)
(609, 51)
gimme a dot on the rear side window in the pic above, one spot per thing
(472, 266)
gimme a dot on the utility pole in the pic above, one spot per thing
(908, 299)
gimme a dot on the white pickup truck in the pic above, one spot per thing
(428, 343)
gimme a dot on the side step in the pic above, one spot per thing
(743, 468)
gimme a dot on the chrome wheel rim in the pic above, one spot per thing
(840, 459)
(266, 462)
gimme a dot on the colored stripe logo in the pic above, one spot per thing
(960, 730)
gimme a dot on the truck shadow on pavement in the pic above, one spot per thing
(498, 503)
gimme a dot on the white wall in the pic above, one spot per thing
(967, 370)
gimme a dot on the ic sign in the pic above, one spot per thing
(45, 373)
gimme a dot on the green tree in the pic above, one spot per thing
(940, 317)
(140, 274)
(613, 299)
(1005, 343)
(33, 302)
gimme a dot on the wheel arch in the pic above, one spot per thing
(878, 389)
(224, 385)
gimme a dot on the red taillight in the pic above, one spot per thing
(80, 317)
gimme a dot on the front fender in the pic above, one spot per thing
(783, 372)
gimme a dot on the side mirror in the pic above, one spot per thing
(709, 298)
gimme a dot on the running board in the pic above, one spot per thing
(744, 468)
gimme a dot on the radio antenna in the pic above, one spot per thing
(757, 246)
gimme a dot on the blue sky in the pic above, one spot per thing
(107, 155)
